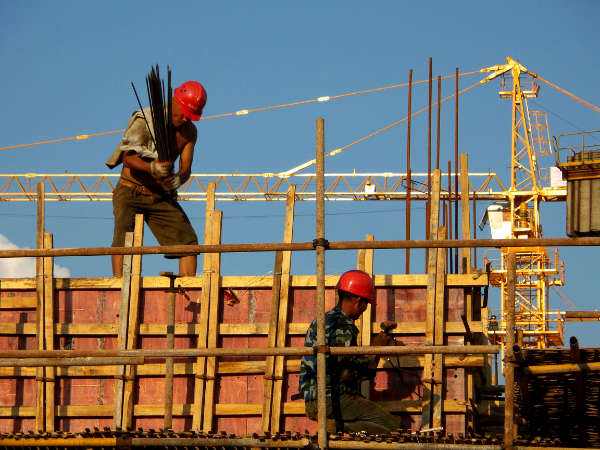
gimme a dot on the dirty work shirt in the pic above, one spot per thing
(340, 331)
(137, 138)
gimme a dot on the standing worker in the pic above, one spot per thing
(149, 186)
(352, 412)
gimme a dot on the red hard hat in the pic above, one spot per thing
(191, 96)
(358, 283)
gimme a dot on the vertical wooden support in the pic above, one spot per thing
(439, 326)
(271, 341)
(466, 267)
(282, 322)
(365, 326)
(122, 336)
(465, 253)
(49, 332)
(39, 275)
(204, 308)
(133, 325)
(169, 362)
(509, 342)
(323, 437)
(213, 324)
(431, 297)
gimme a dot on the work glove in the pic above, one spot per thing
(171, 183)
(160, 169)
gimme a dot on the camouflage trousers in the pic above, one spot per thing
(359, 414)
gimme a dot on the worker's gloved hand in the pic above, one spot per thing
(382, 339)
(171, 182)
(160, 169)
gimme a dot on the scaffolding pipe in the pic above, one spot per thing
(301, 246)
(20, 361)
(509, 361)
(319, 245)
(549, 369)
(272, 351)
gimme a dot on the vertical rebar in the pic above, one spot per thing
(320, 255)
(509, 342)
(449, 207)
(474, 258)
(439, 110)
(428, 205)
(408, 171)
(456, 196)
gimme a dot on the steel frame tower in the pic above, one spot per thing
(535, 271)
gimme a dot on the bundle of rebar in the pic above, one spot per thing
(562, 405)
(161, 117)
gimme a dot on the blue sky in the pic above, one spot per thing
(67, 68)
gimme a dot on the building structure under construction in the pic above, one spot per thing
(213, 360)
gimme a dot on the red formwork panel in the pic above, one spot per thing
(98, 307)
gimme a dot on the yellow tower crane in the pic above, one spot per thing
(536, 272)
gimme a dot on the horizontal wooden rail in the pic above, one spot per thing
(301, 246)
(285, 351)
(547, 369)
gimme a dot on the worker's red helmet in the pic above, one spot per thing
(191, 96)
(359, 283)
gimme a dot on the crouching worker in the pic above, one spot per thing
(148, 186)
(352, 412)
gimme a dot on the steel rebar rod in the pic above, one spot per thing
(456, 217)
(320, 262)
(302, 246)
(407, 211)
(266, 351)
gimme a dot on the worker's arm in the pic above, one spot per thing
(185, 162)
(155, 168)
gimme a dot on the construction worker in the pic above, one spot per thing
(352, 412)
(149, 186)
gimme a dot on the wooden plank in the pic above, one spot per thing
(49, 332)
(432, 258)
(465, 253)
(228, 368)
(133, 325)
(271, 342)
(227, 329)
(438, 360)
(199, 382)
(18, 303)
(213, 324)
(366, 323)
(40, 316)
(241, 282)
(295, 408)
(282, 324)
(122, 333)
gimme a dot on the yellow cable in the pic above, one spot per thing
(372, 134)
(241, 112)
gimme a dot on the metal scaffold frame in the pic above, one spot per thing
(46, 359)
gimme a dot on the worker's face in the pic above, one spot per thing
(177, 115)
(357, 307)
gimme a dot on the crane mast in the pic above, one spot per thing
(536, 325)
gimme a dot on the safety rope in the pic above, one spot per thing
(572, 96)
(372, 134)
(238, 113)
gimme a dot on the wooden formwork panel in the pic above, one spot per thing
(88, 319)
